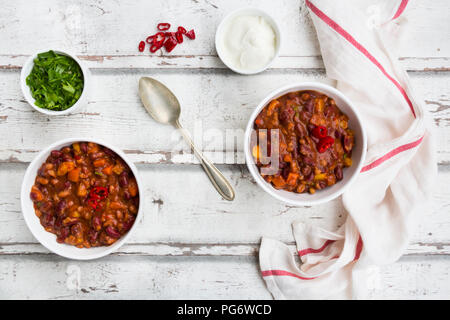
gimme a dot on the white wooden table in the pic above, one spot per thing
(191, 243)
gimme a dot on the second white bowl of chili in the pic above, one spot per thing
(48, 190)
(295, 189)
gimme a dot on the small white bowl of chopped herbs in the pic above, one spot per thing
(55, 82)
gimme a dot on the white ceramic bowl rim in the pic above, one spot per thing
(48, 239)
(28, 66)
(249, 10)
(331, 192)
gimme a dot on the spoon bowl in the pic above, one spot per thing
(159, 101)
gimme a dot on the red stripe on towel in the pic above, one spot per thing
(311, 250)
(268, 273)
(358, 46)
(392, 153)
(400, 9)
(359, 247)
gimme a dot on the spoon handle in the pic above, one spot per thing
(217, 179)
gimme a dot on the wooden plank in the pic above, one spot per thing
(214, 104)
(205, 249)
(135, 61)
(48, 277)
(198, 222)
(85, 27)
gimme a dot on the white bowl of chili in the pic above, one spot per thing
(75, 103)
(347, 175)
(30, 207)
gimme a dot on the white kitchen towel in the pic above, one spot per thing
(358, 40)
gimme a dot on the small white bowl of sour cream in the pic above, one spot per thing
(248, 40)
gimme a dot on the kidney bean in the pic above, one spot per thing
(70, 221)
(321, 184)
(308, 161)
(338, 173)
(309, 106)
(63, 234)
(92, 236)
(306, 170)
(347, 142)
(315, 140)
(96, 155)
(46, 207)
(300, 130)
(67, 158)
(128, 224)
(285, 172)
(112, 232)
(287, 114)
(57, 161)
(337, 134)
(47, 220)
(110, 153)
(34, 196)
(42, 172)
(56, 153)
(84, 147)
(123, 179)
(76, 229)
(126, 195)
(60, 207)
(96, 223)
(59, 222)
(305, 150)
(304, 116)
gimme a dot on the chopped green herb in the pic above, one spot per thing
(56, 81)
(98, 173)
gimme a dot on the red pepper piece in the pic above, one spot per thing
(98, 193)
(190, 34)
(156, 47)
(181, 30)
(93, 203)
(150, 39)
(170, 44)
(170, 34)
(179, 37)
(159, 38)
(163, 26)
(141, 46)
(319, 132)
(324, 144)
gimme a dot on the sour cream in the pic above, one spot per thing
(248, 43)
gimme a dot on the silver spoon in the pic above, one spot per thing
(164, 107)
